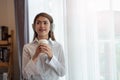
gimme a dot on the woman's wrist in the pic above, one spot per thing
(34, 59)
(50, 56)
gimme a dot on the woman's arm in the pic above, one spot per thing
(28, 66)
(58, 63)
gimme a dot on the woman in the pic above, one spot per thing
(43, 58)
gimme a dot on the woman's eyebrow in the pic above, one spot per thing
(41, 21)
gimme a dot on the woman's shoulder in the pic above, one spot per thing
(28, 44)
(56, 43)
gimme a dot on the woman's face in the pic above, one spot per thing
(42, 27)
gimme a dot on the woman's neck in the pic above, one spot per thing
(40, 37)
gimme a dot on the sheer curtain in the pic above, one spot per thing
(89, 33)
(56, 9)
(93, 39)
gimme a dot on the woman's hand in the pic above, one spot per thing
(42, 48)
(45, 48)
(36, 55)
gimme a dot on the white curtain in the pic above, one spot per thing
(82, 43)
(56, 9)
(92, 28)
(89, 31)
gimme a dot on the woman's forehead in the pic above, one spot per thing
(41, 18)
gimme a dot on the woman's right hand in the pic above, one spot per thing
(36, 55)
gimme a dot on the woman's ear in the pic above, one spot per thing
(51, 27)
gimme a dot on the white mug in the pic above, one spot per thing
(43, 55)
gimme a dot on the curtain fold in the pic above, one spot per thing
(91, 39)
(21, 20)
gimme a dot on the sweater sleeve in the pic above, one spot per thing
(58, 62)
(28, 66)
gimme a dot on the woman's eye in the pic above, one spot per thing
(37, 22)
(45, 23)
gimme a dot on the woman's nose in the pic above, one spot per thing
(42, 24)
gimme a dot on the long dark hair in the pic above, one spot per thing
(51, 33)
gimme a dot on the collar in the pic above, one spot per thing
(51, 42)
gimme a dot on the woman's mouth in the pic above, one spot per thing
(41, 30)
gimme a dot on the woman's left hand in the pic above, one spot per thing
(45, 48)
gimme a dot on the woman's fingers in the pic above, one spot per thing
(46, 49)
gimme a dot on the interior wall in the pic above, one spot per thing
(7, 18)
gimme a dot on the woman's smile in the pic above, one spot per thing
(42, 30)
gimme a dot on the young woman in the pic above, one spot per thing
(43, 58)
